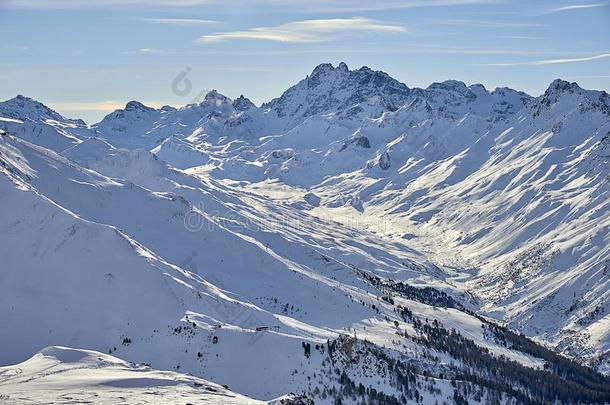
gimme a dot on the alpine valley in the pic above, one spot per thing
(353, 241)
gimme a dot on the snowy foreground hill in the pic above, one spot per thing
(353, 239)
(62, 375)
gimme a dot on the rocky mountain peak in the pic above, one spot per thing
(332, 89)
(560, 85)
(558, 88)
(566, 94)
(137, 106)
(24, 108)
(343, 67)
(450, 85)
(322, 68)
(242, 103)
(214, 96)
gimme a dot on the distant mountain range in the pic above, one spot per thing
(352, 239)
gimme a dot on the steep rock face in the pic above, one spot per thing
(329, 89)
(563, 97)
(242, 103)
(385, 161)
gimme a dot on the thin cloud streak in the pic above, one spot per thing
(310, 6)
(520, 37)
(179, 21)
(550, 61)
(148, 51)
(307, 31)
(575, 7)
(591, 77)
(246, 69)
(339, 6)
(482, 23)
(87, 4)
(393, 49)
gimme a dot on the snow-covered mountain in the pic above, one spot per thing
(135, 115)
(342, 91)
(354, 238)
(62, 375)
(32, 120)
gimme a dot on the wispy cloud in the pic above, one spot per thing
(551, 61)
(590, 77)
(78, 4)
(386, 49)
(520, 37)
(148, 51)
(482, 23)
(179, 21)
(245, 69)
(357, 6)
(311, 6)
(307, 31)
(575, 7)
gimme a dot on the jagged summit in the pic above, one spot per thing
(365, 92)
(455, 85)
(213, 96)
(477, 87)
(168, 108)
(335, 89)
(26, 108)
(506, 90)
(135, 114)
(453, 90)
(322, 68)
(572, 95)
(560, 85)
(242, 103)
(471, 91)
(35, 122)
(137, 106)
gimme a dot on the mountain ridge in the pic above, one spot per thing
(461, 209)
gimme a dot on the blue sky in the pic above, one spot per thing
(85, 58)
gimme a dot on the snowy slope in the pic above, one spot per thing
(525, 203)
(479, 180)
(37, 123)
(135, 114)
(247, 242)
(62, 375)
(137, 305)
